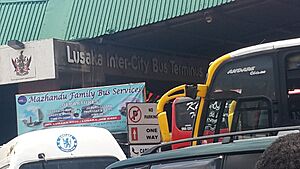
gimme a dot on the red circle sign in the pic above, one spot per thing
(135, 114)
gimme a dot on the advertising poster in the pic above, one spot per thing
(98, 106)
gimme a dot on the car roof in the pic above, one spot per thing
(245, 145)
(90, 142)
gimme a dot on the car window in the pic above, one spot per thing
(241, 161)
(211, 162)
(214, 163)
(72, 163)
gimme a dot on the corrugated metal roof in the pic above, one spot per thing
(91, 18)
(21, 20)
(27, 20)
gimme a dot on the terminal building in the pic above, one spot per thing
(74, 44)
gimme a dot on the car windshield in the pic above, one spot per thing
(72, 163)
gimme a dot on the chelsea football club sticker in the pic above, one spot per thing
(66, 142)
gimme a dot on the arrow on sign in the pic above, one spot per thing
(134, 134)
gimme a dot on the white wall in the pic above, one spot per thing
(41, 66)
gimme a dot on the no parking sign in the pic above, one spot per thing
(141, 113)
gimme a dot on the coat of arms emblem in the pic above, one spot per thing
(21, 64)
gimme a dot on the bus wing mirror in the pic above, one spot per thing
(201, 90)
(232, 107)
(164, 126)
(181, 91)
(178, 91)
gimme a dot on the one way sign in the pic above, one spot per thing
(140, 134)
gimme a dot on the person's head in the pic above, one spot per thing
(284, 153)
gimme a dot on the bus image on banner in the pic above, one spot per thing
(98, 106)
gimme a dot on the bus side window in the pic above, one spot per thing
(293, 85)
(252, 113)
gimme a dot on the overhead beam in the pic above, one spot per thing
(289, 3)
(222, 13)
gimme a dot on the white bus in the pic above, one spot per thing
(61, 148)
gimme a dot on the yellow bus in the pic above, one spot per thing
(251, 88)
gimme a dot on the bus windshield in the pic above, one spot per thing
(72, 163)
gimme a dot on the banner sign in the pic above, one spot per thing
(98, 106)
(43, 59)
(116, 60)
